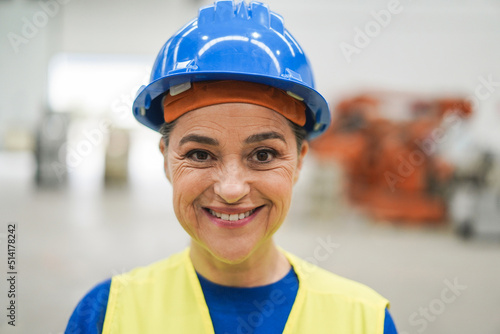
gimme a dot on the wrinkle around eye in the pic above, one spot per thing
(285, 171)
(186, 165)
(272, 155)
(284, 165)
(192, 155)
(182, 168)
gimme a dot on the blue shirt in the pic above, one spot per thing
(258, 310)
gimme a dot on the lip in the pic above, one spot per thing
(231, 224)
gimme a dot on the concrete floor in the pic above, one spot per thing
(71, 239)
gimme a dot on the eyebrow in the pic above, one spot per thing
(198, 139)
(264, 136)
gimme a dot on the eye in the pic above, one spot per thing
(199, 155)
(264, 156)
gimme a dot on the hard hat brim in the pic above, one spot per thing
(148, 109)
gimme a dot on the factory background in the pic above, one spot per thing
(403, 194)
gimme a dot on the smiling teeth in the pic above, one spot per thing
(233, 217)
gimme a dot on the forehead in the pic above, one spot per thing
(232, 118)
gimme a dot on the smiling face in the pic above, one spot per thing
(232, 167)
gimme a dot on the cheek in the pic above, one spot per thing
(188, 184)
(279, 186)
(278, 189)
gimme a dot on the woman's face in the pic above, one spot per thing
(232, 167)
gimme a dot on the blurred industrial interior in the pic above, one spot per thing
(406, 182)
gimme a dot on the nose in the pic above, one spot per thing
(232, 184)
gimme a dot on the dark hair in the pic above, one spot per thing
(299, 132)
(165, 131)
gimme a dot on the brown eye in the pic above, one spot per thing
(264, 156)
(199, 155)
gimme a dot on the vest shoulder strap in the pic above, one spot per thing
(329, 303)
(165, 294)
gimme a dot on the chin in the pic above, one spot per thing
(232, 252)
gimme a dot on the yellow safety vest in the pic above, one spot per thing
(166, 297)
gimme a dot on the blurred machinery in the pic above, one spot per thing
(86, 148)
(116, 158)
(475, 197)
(387, 144)
(50, 150)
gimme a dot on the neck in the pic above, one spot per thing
(264, 266)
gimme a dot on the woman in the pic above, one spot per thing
(232, 95)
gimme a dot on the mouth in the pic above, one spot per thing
(231, 220)
(231, 217)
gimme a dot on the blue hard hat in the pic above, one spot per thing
(229, 41)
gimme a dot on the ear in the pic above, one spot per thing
(300, 161)
(164, 151)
